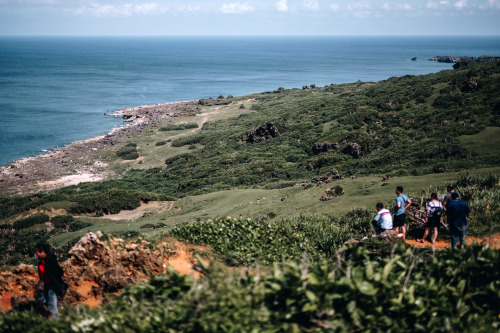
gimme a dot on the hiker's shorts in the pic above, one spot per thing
(399, 220)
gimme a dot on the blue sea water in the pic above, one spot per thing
(55, 90)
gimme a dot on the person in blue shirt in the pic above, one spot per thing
(400, 205)
(457, 212)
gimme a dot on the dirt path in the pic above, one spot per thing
(493, 241)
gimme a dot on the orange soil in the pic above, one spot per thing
(493, 241)
(182, 262)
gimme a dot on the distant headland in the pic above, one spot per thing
(450, 59)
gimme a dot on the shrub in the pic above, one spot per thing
(68, 223)
(189, 140)
(250, 241)
(179, 127)
(106, 202)
(128, 152)
(160, 143)
(29, 221)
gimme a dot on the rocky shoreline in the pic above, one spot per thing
(73, 163)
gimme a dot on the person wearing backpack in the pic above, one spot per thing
(433, 218)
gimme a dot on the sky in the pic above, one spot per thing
(249, 18)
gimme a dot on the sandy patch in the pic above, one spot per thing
(72, 180)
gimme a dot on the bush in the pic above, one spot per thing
(128, 152)
(29, 221)
(250, 241)
(179, 127)
(68, 223)
(18, 247)
(160, 143)
(189, 140)
(106, 202)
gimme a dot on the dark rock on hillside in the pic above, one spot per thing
(320, 180)
(348, 148)
(262, 133)
(323, 147)
(352, 149)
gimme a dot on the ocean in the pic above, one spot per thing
(55, 90)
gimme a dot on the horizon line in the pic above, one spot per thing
(239, 36)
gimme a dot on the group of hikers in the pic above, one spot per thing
(456, 213)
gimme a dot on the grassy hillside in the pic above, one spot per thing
(265, 160)
(240, 156)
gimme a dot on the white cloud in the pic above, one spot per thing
(491, 4)
(30, 2)
(236, 8)
(189, 8)
(282, 5)
(335, 7)
(128, 9)
(405, 6)
(311, 4)
(359, 10)
(460, 4)
(444, 3)
(431, 5)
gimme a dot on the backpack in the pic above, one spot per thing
(438, 212)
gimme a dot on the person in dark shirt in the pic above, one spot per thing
(457, 212)
(447, 198)
(50, 274)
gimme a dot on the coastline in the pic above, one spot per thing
(73, 163)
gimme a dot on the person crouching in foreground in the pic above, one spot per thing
(383, 220)
(400, 205)
(457, 212)
(51, 285)
(433, 218)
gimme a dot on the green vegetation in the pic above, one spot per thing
(260, 157)
(67, 223)
(405, 291)
(128, 152)
(487, 142)
(27, 222)
(395, 127)
(179, 127)
(263, 241)
(483, 196)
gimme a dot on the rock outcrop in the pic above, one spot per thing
(348, 148)
(92, 270)
(263, 133)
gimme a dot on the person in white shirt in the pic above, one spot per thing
(383, 220)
